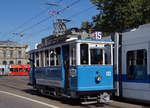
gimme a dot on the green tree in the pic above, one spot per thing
(86, 25)
(119, 15)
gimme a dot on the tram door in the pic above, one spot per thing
(66, 64)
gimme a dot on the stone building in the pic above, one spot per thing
(12, 53)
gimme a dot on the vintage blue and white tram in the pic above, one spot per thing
(78, 69)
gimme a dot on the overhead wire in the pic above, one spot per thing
(74, 15)
(25, 23)
(47, 18)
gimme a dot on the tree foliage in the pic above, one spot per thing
(86, 25)
(119, 15)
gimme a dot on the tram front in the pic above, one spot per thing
(91, 70)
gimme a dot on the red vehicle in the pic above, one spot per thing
(19, 70)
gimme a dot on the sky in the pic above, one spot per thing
(32, 18)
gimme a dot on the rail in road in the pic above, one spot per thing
(15, 93)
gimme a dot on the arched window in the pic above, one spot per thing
(4, 62)
(11, 62)
(19, 62)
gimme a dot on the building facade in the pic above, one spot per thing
(12, 53)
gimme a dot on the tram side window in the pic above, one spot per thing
(58, 56)
(15, 69)
(73, 56)
(84, 54)
(107, 54)
(11, 69)
(52, 55)
(46, 58)
(41, 59)
(20, 69)
(96, 56)
(37, 55)
(37, 63)
(26, 70)
(137, 65)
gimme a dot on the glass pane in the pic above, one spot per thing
(137, 65)
(25, 69)
(11, 69)
(73, 55)
(96, 56)
(84, 54)
(58, 56)
(16, 70)
(52, 54)
(107, 54)
(20, 69)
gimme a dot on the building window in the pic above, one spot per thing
(19, 54)
(4, 54)
(4, 62)
(137, 65)
(11, 62)
(11, 54)
(19, 62)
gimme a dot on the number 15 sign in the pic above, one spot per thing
(98, 35)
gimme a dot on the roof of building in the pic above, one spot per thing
(10, 44)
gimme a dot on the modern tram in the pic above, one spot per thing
(132, 64)
(73, 68)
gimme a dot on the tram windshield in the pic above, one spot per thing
(95, 54)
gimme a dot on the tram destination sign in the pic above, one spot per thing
(97, 35)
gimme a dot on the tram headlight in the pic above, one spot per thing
(98, 78)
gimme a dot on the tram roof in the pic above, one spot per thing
(74, 41)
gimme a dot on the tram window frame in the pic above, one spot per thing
(99, 57)
(58, 56)
(46, 57)
(52, 57)
(21, 69)
(26, 69)
(108, 54)
(11, 69)
(37, 63)
(41, 59)
(15, 69)
(133, 66)
(73, 55)
(84, 54)
(37, 55)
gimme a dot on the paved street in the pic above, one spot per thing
(15, 93)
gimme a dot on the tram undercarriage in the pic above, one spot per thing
(84, 97)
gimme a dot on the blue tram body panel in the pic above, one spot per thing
(51, 76)
(83, 78)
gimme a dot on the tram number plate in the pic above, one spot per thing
(108, 73)
(98, 35)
